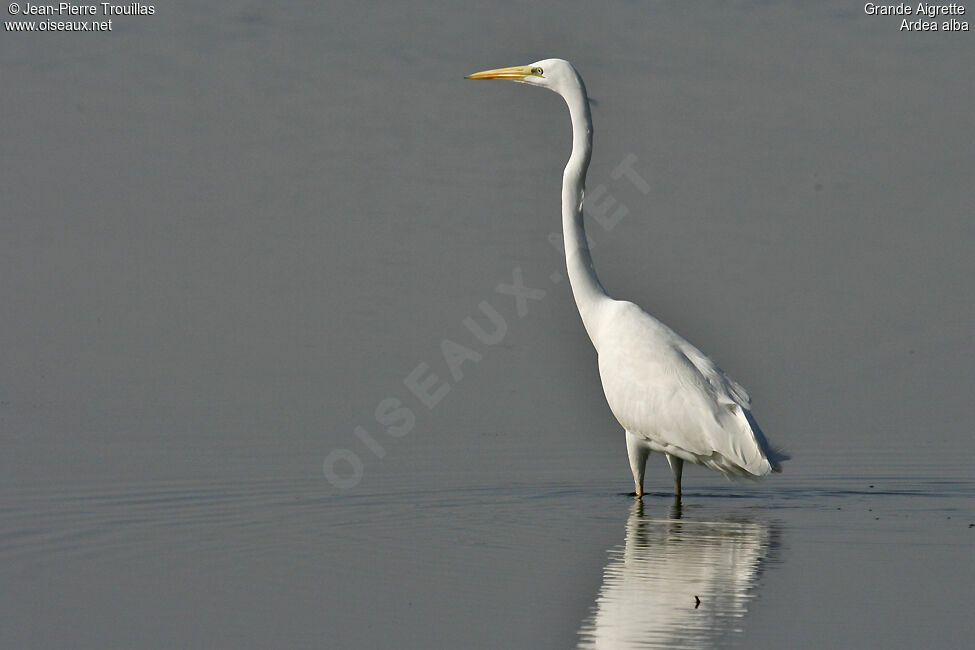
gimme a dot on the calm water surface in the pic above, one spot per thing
(824, 560)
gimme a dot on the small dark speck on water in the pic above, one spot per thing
(871, 486)
(697, 602)
(971, 525)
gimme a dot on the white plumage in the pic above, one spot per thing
(666, 393)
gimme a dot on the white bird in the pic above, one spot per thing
(667, 394)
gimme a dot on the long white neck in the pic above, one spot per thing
(588, 292)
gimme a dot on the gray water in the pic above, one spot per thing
(230, 234)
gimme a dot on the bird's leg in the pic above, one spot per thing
(677, 467)
(638, 451)
(676, 509)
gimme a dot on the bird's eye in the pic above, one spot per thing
(537, 72)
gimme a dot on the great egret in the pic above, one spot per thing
(666, 393)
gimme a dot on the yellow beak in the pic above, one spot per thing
(515, 73)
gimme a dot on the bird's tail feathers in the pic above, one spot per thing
(775, 455)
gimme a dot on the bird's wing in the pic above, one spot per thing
(726, 389)
(661, 387)
(756, 450)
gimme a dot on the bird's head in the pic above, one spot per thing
(555, 74)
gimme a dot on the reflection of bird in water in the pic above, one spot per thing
(650, 586)
(666, 393)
